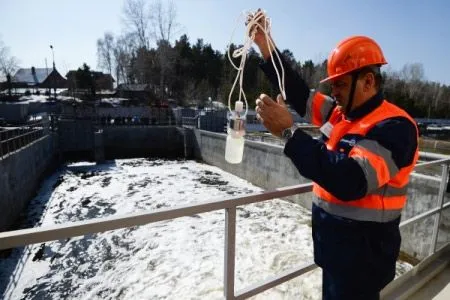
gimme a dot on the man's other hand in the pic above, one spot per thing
(273, 115)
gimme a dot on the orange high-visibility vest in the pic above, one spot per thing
(386, 184)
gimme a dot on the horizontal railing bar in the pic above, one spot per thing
(431, 155)
(13, 151)
(42, 123)
(11, 239)
(425, 177)
(431, 163)
(274, 281)
(21, 135)
(424, 215)
(22, 237)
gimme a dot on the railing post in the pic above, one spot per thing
(7, 142)
(230, 247)
(13, 141)
(440, 204)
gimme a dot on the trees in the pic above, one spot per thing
(85, 79)
(136, 17)
(8, 63)
(105, 52)
(163, 21)
(134, 59)
(190, 72)
(123, 56)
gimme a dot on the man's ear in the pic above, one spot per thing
(369, 81)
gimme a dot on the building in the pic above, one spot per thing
(38, 78)
(102, 81)
(138, 92)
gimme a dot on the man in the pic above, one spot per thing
(360, 166)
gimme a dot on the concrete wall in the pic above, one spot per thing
(266, 166)
(140, 111)
(215, 121)
(23, 170)
(14, 112)
(40, 107)
(76, 135)
(145, 141)
(263, 164)
(21, 174)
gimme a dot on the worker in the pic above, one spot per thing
(360, 166)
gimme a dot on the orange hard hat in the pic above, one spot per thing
(351, 54)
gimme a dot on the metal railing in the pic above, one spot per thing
(24, 237)
(13, 139)
(271, 139)
(190, 121)
(134, 121)
(163, 119)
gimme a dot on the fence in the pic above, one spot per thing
(151, 117)
(12, 139)
(190, 121)
(37, 235)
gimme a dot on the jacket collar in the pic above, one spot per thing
(366, 108)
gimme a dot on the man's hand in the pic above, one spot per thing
(260, 38)
(273, 115)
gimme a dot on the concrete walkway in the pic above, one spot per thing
(437, 288)
(430, 279)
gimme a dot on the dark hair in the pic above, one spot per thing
(375, 70)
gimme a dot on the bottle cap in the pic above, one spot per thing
(239, 106)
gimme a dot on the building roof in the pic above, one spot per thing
(26, 75)
(97, 75)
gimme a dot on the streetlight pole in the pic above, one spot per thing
(54, 68)
(53, 53)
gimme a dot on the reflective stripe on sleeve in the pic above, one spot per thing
(318, 107)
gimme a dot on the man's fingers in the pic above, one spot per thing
(259, 103)
(280, 100)
(266, 100)
(258, 116)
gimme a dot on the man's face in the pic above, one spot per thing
(364, 89)
(340, 90)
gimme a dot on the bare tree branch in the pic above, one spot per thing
(122, 53)
(8, 63)
(105, 52)
(137, 20)
(163, 20)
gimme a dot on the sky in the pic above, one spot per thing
(408, 31)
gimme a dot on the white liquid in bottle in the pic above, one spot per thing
(234, 148)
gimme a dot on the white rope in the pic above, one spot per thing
(253, 23)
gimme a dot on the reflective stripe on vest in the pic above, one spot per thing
(386, 184)
(358, 213)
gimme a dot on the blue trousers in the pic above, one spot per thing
(357, 258)
(334, 289)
